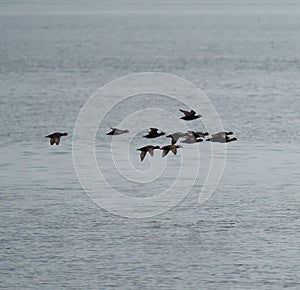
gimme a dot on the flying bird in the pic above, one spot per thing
(116, 131)
(198, 134)
(145, 149)
(188, 116)
(192, 137)
(222, 134)
(153, 133)
(55, 137)
(166, 149)
(191, 140)
(175, 137)
(221, 139)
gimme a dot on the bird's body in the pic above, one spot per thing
(192, 137)
(145, 149)
(221, 139)
(116, 131)
(166, 149)
(199, 134)
(188, 116)
(222, 134)
(191, 140)
(153, 133)
(55, 137)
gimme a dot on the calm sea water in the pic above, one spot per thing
(52, 236)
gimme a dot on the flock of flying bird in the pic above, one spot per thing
(190, 137)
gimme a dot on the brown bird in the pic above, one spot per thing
(55, 137)
(145, 149)
(166, 149)
(188, 116)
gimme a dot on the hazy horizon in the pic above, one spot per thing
(135, 6)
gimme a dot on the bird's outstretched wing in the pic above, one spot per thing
(174, 140)
(151, 151)
(154, 130)
(165, 152)
(112, 132)
(187, 113)
(143, 154)
(174, 150)
(221, 134)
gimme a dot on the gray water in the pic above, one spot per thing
(54, 57)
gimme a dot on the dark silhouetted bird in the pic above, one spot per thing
(115, 131)
(153, 133)
(188, 116)
(145, 149)
(55, 137)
